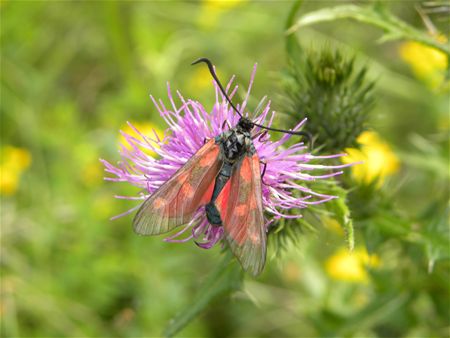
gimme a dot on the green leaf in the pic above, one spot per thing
(375, 312)
(376, 16)
(436, 233)
(226, 278)
(336, 208)
(334, 324)
(293, 48)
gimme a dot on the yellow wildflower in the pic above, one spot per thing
(350, 266)
(92, 173)
(13, 162)
(379, 161)
(212, 10)
(90, 170)
(201, 78)
(427, 63)
(146, 129)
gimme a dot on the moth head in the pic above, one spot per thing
(245, 124)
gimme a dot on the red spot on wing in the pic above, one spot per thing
(242, 221)
(186, 191)
(159, 202)
(193, 185)
(222, 199)
(206, 198)
(255, 160)
(209, 158)
(182, 177)
(246, 170)
(176, 201)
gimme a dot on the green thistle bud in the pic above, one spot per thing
(325, 87)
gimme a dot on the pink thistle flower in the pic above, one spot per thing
(189, 125)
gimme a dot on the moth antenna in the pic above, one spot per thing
(305, 134)
(213, 74)
(208, 62)
(309, 139)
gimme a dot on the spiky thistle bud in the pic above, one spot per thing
(336, 98)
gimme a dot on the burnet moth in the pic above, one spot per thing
(224, 176)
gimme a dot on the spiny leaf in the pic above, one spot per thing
(342, 213)
(287, 232)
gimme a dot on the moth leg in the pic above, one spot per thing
(226, 123)
(261, 134)
(148, 182)
(256, 135)
(263, 172)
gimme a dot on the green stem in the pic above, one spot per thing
(226, 278)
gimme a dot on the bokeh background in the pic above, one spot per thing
(73, 73)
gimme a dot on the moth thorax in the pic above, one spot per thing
(234, 145)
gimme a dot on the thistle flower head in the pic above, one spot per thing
(189, 124)
(335, 96)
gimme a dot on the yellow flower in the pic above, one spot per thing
(379, 161)
(13, 162)
(201, 78)
(92, 173)
(350, 266)
(146, 129)
(212, 10)
(427, 63)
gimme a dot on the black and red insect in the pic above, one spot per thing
(223, 176)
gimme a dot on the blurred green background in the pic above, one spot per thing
(73, 73)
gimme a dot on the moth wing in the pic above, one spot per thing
(177, 200)
(241, 209)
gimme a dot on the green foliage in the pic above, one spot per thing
(72, 73)
(377, 15)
